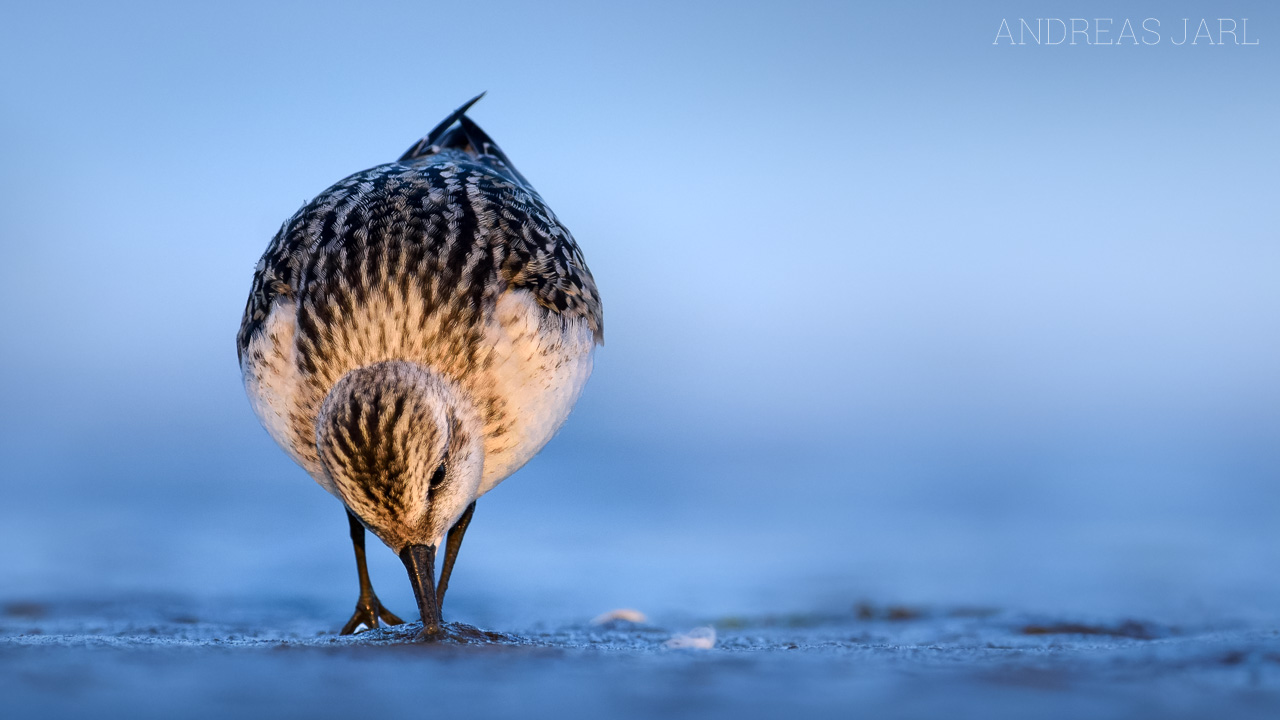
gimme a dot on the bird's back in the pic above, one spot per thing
(446, 258)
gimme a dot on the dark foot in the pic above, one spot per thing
(368, 611)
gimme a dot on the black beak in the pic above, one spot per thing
(420, 561)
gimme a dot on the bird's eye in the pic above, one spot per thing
(438, 478)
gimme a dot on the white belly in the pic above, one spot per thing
(540, 365)
(273, 385)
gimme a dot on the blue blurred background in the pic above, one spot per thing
(893, 313)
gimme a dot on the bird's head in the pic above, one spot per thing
(403, 447)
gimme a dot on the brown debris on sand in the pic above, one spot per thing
(1127, 629)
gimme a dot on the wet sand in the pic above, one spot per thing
(174, 657)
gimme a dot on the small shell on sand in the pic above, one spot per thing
(625, 614)
(701, 638)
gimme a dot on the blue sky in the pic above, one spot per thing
(848, 252)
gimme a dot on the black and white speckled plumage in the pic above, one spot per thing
(448, 263)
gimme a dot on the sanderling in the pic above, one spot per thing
(414, 335)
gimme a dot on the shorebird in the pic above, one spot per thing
(414, 335)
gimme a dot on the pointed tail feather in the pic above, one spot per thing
(420, 148)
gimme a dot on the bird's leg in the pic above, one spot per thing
(451, 550)
(368, 608)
